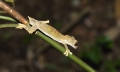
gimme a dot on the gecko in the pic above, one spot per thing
(51, 32)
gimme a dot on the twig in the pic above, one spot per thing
(13, 12)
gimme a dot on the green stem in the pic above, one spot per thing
(8, 25)
(7, 18)
(58, 47)
(61, 49)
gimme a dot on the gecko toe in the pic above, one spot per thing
(67, 52)
(70, 53)
(20, 26)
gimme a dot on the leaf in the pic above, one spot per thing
(95, 54)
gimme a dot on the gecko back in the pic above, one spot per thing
(46, 29)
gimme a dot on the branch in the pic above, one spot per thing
(13, 12)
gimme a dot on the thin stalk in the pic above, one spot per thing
(7, 25)
(61, 49)
(58, 47)
(7, 18)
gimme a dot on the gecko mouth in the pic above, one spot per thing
(74, 45)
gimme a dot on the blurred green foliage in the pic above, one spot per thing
(11, 1)
(110, 66)
(6, 36)
(104, 41)
(27, 39)
(55, 67)
(94, 53)
(58, 25)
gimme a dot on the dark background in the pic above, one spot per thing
(94, 23)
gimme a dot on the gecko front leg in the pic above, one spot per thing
(67, 51)
(29, 29)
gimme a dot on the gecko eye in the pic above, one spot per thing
(76, 44)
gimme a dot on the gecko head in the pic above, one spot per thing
(32, 21)
(70, 40)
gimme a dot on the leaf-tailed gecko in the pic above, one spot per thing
(51, 32)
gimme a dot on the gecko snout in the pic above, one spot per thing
(76, 44)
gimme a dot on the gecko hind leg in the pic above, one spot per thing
(67, 51)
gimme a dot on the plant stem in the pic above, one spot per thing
(8, 25)
(58, 47)
(7, 18)
(61, 49)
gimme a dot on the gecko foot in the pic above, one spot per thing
(47, 21)
(21, 26)
(67, 52)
